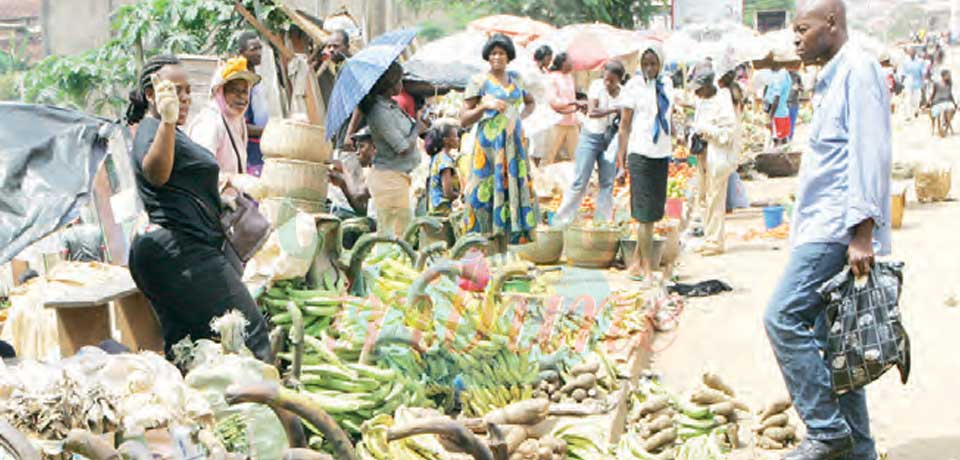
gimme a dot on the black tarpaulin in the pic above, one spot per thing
(48, 158)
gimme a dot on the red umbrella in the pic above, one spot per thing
(589, 46)
(523, 30)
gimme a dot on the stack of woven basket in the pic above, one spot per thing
(294, 170)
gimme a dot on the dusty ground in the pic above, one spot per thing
(919, 421)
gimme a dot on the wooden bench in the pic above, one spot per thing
(84, 316)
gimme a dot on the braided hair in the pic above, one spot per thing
(558, 61)
(138, 106)
(435, 137)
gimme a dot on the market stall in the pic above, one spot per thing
(425, 345)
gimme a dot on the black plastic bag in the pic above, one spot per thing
(866, 336)
(701, 289)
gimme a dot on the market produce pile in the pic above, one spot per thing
(775, 431)
(96, 392)
(700, 426)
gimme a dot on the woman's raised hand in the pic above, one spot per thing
(166, 100)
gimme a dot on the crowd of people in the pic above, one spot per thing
(476, 169)
(479, 171)
(924, 82)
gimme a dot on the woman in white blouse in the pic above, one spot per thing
(594, 146)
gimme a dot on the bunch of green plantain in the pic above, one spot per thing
(351, 392)
(317, 307)
(495, 376)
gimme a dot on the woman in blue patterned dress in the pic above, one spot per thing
(499, 200)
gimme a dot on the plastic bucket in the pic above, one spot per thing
(773, 216)
(675, 208)
(899, 203)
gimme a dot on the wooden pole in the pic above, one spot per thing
(274, 40)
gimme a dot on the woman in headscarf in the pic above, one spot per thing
(221, 127)
(499, 197)
(178, 260)
(716, 123)
(645, 149)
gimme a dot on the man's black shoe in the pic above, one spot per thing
(812, 449)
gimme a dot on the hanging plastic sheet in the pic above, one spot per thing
(48, 158)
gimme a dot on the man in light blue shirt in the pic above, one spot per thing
(912, 73)
(842, 216)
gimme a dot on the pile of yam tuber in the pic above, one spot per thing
(775, 432)
(581, 385)
(654, 419)
(711, 407)
(525, 437)
(545, 448)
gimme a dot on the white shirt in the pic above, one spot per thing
(716, 121)
(598, 91)
(641, 96)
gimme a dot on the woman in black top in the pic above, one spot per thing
(178, 261)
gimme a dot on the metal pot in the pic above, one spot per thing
(545, 250)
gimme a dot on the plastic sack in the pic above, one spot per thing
(866, 336)
(736, 193)
(288, 252)
(212, 372)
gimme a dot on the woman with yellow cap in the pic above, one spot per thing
(220, 126)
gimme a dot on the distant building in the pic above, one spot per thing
(74, 26)
(765, 15)
(19, 21)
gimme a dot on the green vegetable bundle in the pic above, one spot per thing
(318, 307)
(352, 393)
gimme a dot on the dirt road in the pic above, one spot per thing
(919, 421)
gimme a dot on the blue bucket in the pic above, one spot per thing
(773, 216)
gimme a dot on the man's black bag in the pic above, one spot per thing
(866, 336)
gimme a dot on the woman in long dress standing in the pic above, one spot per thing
(499, 200)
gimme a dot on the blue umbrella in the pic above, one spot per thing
(361, 72)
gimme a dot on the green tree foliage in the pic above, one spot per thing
(99, 79)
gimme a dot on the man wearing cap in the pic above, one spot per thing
(351, 197)
(841, 218)
(715, 123)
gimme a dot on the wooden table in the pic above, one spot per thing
(83, 316)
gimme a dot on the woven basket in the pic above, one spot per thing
(932, 183)
(779, 164)
(295, 140)
(591, 247)
(279, 210)
(545, 250)
(302, 180)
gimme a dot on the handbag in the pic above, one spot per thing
(612, 129)
(244, 227)
(697, 144)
